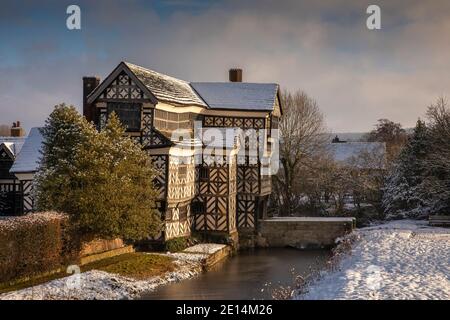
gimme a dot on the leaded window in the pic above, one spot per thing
(128, 113)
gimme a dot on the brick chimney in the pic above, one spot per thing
(235, 75)
(17, 130)
(89, 110)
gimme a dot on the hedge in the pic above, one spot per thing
(176, 244)
(34, 244)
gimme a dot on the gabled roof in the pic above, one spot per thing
(8, 152)
(212, 95)
(28, 158)
(12, 145)
(9, 148)
(158, 86)
(238, 95)
(166, 88)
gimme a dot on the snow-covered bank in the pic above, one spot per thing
(397, 260)
(100, 285)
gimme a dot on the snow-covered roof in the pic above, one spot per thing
(28, 158)
(12, 147)
(213, 95)
(12, 144)
(238, 95)
(347, 151)
(166, 88)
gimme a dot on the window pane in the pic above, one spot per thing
(128, 113)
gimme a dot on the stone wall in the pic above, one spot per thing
(99, 249)
(99, 246)
(302, 232)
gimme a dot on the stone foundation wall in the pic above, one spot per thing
(231, 239)
(99, 246)
(303, 232)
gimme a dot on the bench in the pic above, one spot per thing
(439, 221)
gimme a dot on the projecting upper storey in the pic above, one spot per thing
(157, 87)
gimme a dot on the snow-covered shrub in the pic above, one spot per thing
(419, 183)
(402, 196)
(32, 244)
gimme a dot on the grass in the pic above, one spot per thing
(135, 265)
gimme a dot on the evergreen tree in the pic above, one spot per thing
(64, 133)
(103, 180)
(402, 196)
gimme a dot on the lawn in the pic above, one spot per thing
(136, 265)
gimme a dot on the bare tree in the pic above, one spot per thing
(368, 173)
(303, 137)
(438, 115)
(435, 189)
(392, 134)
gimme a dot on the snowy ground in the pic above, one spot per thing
(100, 285)
(397, 260)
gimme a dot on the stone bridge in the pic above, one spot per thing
(302, 232)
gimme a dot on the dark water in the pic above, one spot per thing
(245, 275)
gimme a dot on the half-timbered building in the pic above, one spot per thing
(221, 191)
(9, 185)
(19, 157)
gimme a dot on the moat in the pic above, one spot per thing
(245, 275)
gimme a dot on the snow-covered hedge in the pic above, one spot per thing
(33, 244)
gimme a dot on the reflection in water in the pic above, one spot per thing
(244, 276)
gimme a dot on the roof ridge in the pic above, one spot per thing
(234, 83)
(189, 94)
(154, 71)
(199, 95)
(238, 96)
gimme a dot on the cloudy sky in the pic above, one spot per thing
(322, 47)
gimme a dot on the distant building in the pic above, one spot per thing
(337, 140)
(18, 162)
(365, 155)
